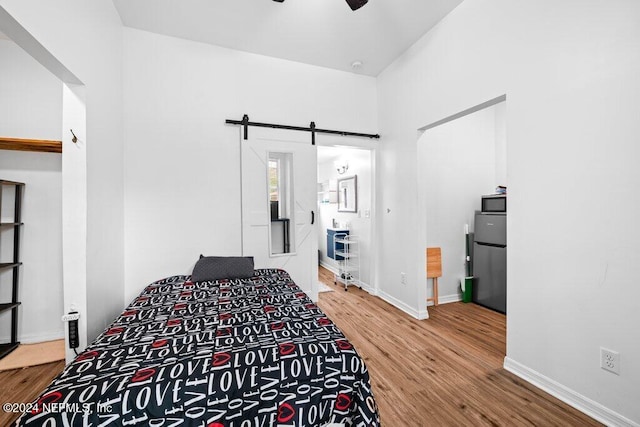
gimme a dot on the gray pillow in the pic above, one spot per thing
(219, 267)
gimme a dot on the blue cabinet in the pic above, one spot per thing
(331, 245)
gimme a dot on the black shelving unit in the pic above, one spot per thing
(14, 264)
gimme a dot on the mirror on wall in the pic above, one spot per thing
(280, 179)
(348, 194)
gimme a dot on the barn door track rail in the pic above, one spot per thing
(245, 123)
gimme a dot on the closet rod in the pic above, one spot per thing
(312, 128)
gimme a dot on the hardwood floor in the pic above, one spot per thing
(24, 385)
(444, 371)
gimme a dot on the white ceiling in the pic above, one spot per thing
(319, 32)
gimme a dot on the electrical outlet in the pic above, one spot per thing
(403, 278)
(610, 360)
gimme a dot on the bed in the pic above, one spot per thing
(253, 351)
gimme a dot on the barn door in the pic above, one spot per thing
(279, 203)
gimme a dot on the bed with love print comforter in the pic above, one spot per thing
(234, 353)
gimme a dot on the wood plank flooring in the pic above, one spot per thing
(444, 371)
(24, 385)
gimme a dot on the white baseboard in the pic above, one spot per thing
(420, 315)
(361, 284)
(369, 289)
(447, 299)
(593, 409)
(329, 267)
(41, 337)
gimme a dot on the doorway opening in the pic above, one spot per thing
(461, 159)
(346, 200)
(31, 108)
(60, 182)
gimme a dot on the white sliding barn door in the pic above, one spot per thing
(281, 165)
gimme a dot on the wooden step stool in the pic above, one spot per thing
(434, 270)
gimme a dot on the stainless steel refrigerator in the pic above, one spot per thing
(490, 261)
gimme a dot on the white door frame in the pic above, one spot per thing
(366, 144)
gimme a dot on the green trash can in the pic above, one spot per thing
(466, 286)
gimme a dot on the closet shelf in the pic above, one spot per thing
(11, 224)
(6, 265)
(20, 144)
(8, 306)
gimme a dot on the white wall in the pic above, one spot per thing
(569, 70)
(30, 96)
(86, 37)
(31, 107)
(457, 163)
(183, 163)
(359, 225)
(500, 127)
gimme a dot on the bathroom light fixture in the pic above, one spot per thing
(341, 166)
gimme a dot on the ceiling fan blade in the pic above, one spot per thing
(353, 4)
(356, 4)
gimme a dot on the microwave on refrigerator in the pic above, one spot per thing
(494, 203)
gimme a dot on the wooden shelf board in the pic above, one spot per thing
(20, 144)
(5, 265)
(7, 182)
(8, 306)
